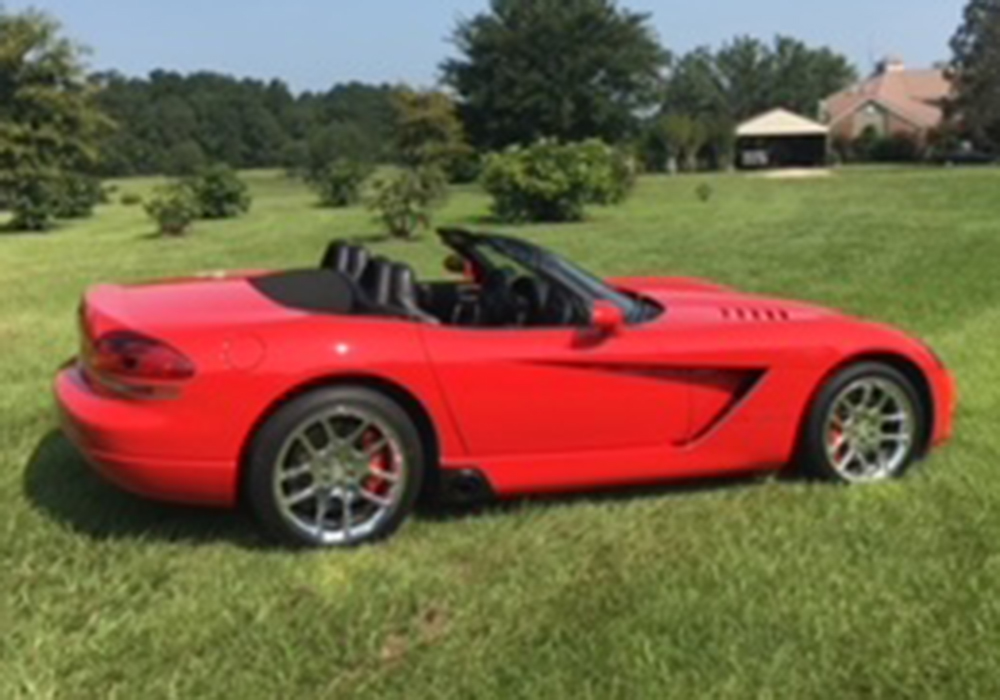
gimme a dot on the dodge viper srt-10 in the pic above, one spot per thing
(328, 400)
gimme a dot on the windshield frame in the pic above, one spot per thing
(582, 284)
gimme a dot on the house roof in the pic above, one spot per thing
(913, 95)
(780, 122)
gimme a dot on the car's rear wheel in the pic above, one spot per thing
(337, 467)
(866, 425)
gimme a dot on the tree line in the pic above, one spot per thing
(174, 124)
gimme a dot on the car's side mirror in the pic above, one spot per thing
(607, 318)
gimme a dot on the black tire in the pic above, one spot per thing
(269, 442)
(813, 460)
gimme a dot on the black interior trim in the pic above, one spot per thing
(319, 291)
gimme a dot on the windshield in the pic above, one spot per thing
(547, 264)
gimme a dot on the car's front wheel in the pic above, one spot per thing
(337, 467)
(866, 425)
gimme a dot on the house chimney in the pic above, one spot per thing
(891, 64)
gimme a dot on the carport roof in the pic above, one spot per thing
(780, 122)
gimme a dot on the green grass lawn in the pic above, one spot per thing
(767, 589)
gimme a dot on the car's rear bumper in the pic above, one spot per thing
(119, 439)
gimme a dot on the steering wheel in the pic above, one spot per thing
(530, 297)
(560, 310)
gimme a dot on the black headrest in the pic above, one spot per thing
(349, 259)
(376, 281)
(334, 253)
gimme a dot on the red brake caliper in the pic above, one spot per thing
(836, 433)
(379, 462)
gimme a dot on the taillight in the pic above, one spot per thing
(133, 358)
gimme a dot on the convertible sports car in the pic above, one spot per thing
(328, 400)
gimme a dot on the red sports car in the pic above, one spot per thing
(327, 400)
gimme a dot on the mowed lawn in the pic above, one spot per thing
(763, 588)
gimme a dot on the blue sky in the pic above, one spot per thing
(315, 43)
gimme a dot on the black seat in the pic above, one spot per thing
(349, 259)
(403, 292)
(496, 299)
(376, 282)
(384, 287)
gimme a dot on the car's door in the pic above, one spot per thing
(561, 390)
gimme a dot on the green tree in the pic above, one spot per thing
(174, 207)
(77, 195)
(428, 129)
(685, 137)
(695, 87)
(403, 200)
(172, 123)
(719, 89)
(746, 70)
(219, 192)
(975, 72)
(568, 69)
(49, 123)
(754, 77)
(338, 141)
(801, 77)
(183, 159)
(339, 185)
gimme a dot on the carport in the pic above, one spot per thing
(781, 139)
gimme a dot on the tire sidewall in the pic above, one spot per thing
(267, 443)
(813, 457)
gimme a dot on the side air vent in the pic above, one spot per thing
(753, 313)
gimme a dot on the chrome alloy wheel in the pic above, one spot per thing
(340, 476)
(870, 430)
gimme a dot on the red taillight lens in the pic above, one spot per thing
(130, 356)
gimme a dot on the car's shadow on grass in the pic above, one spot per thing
(58, 482)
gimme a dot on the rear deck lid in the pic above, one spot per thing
(194, 303)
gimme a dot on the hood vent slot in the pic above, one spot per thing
(753, 313)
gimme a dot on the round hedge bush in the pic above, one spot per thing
(219, 192)
(552, 182)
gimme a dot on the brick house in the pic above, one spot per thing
(894, 100)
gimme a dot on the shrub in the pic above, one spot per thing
(897, 148)
(32, 203)
(870, 147)
(613, 172)
(465, 168)
(174, 208)
(108, 193)
(339, 185)
(219, 193)
(549, 181)
(403, 200)
(861, 148)
(77, 196)
(131, 199)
